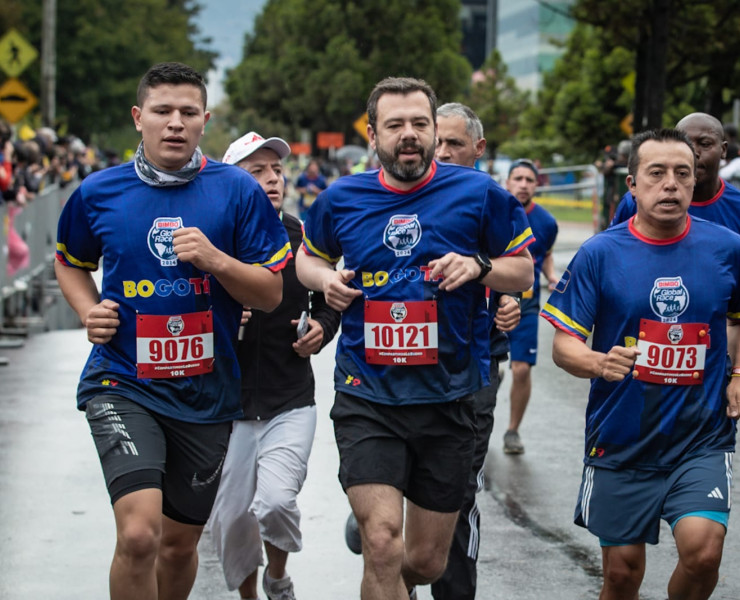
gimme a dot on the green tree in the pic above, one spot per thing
(310, 64)
(497, 101)
(103, 49)
(582, 102)
(680, 48)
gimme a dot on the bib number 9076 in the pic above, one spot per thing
(174, 346)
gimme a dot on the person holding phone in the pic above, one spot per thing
(267, 459)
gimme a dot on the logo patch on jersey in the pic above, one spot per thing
(159, 239)
(402, 233)
(669, 298)
(398, 311)
(675, 334)
(175, 325)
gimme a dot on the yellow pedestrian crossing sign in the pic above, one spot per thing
(15, 53)
(15, 100)
(360, 126)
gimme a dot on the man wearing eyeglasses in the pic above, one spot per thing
(522, 183)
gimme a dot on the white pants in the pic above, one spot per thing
(264, 470)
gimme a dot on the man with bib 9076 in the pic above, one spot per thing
(421, 241)
(185, 243)
(660, 421)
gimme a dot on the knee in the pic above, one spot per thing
(623, 575)
(382, 547)
(702, 561)
(426, 564)
(273, 509)
(520, 370)
(138, 542)
(177, 550)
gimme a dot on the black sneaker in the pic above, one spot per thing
(352, 534)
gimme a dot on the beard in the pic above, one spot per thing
(406, 171)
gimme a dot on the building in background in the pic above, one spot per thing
(478, 20)
(525, 31)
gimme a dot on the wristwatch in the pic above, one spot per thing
(484, 263)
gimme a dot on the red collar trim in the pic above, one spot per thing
(716, 197)
(421, 184)
(656, 242)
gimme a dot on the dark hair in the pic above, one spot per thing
(399, 85)
(524, 162)
(173, 73)
(657, 135)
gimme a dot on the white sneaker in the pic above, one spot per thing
(278, 589)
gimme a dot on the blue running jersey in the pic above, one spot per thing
(724, 208)
(689, 283)
(114, 215)
(388, 237)
(545, 230)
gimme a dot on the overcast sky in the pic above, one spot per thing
(226, 22)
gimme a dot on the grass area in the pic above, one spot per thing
(576, 211)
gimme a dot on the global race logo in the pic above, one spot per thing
(159, 239)
(398, 312)
(175, 325)
(402, 233)
(669, 298)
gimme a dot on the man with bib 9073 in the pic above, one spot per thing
(421, 241)
(660, 421)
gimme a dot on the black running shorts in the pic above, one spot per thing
(140, 449)
(424, 450)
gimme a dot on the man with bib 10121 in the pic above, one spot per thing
(421, 241)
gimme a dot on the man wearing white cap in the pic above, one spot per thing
(266, 463)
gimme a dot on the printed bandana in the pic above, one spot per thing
(156, 177)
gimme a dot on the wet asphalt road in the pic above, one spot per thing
(57, 531)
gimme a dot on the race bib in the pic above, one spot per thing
(401, 333)
(174, 346)
(671, 353)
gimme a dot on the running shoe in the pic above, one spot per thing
(513, 443)
(278, 589)
(352, 534)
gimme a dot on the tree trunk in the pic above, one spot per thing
(642, 88)
(659, 16)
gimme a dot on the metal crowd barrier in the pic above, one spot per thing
(30, 299)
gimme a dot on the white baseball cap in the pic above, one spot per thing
(251, 142)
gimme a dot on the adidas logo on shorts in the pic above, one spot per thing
(715, 493)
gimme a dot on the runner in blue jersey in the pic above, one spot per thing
(460, 141)
(660, 422)
(714, 199)
(522, 183)
(185, 242)
(420, 240)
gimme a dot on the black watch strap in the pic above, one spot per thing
(484, 263)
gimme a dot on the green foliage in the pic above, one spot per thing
(310, 64)
(497, 101)
(103, 49)
(702, 70)
(582, 101)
